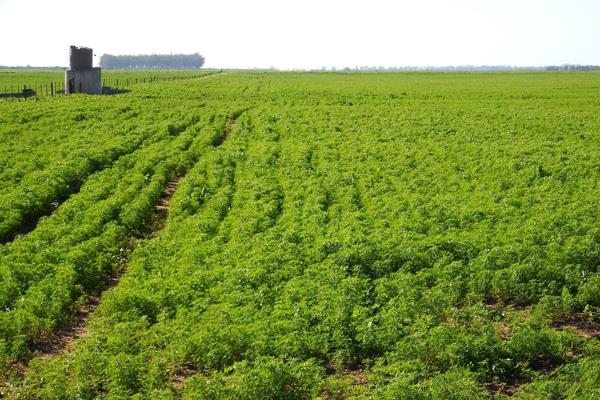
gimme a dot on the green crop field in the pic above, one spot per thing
(304, 236)
(15, 79)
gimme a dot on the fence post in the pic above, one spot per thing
(51, 89)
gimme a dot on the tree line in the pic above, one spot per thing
(569, 67)
(152, 61)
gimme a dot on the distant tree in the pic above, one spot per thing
(152, 61)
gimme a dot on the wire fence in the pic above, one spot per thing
(52, 89)
(31, 90)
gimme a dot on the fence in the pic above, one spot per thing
(37, 89)
(56, 88)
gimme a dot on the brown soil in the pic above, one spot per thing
(180, 376)
(354, 371)
(161, 210)
(59, 342)
(230, 128)
(581, 323)
(507, 389)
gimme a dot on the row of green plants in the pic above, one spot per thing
(362, 236)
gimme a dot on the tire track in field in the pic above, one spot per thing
(59, 342)
(162, 209)
(231, 126)
(185, 371)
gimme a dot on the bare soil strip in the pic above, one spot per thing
(59, 342)
(581, 323)
(231, 126)
(161, 210)
(507, 389)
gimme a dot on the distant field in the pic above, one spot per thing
(303, 236)
(12, 80)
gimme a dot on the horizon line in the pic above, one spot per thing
(456, 67)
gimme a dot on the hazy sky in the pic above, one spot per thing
(307, 33)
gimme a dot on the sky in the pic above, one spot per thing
(307, 34)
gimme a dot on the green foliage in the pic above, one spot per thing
(590, 291)
(264, 378)
(74, 252)
(395, 236)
